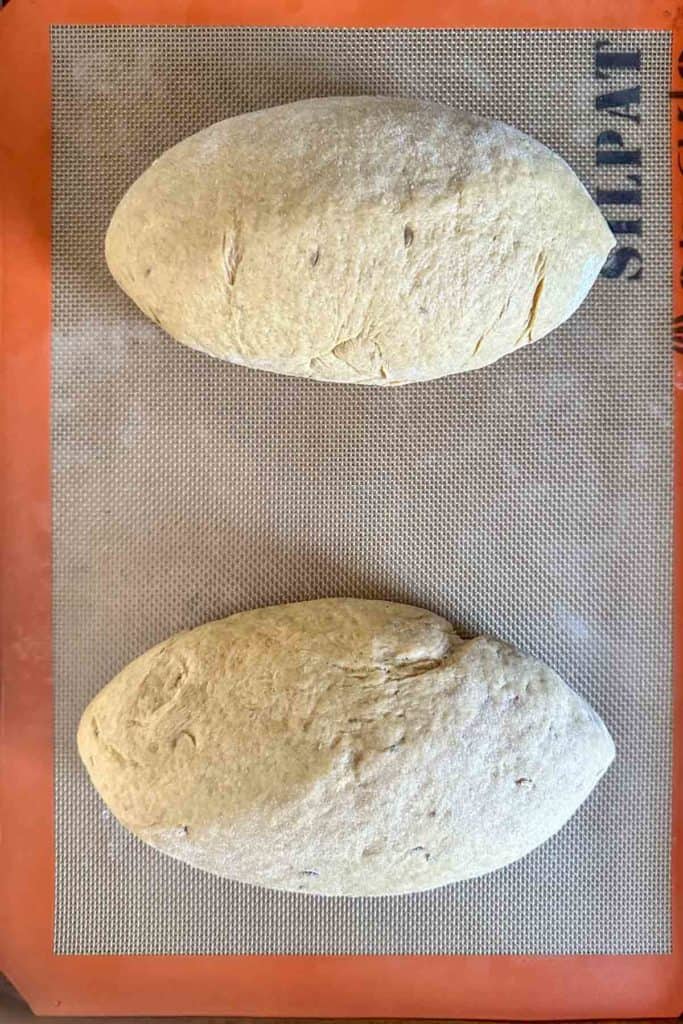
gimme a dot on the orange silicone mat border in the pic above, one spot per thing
(468, 987)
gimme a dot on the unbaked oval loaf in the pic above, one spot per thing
(360, 239)
(341, 747)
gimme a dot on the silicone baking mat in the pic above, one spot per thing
(565, 448)
(530, 500)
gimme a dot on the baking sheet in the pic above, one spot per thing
(530, 500)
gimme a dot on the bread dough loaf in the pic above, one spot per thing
(343, 747)
(360, 239)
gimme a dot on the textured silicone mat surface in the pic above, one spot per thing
(530, 500)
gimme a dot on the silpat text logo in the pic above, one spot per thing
(616, 150)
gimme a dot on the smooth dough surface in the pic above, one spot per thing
(358, 239)
(343, 747)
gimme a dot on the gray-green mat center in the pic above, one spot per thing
(530, 500)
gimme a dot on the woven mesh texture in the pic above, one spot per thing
(530, 500)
